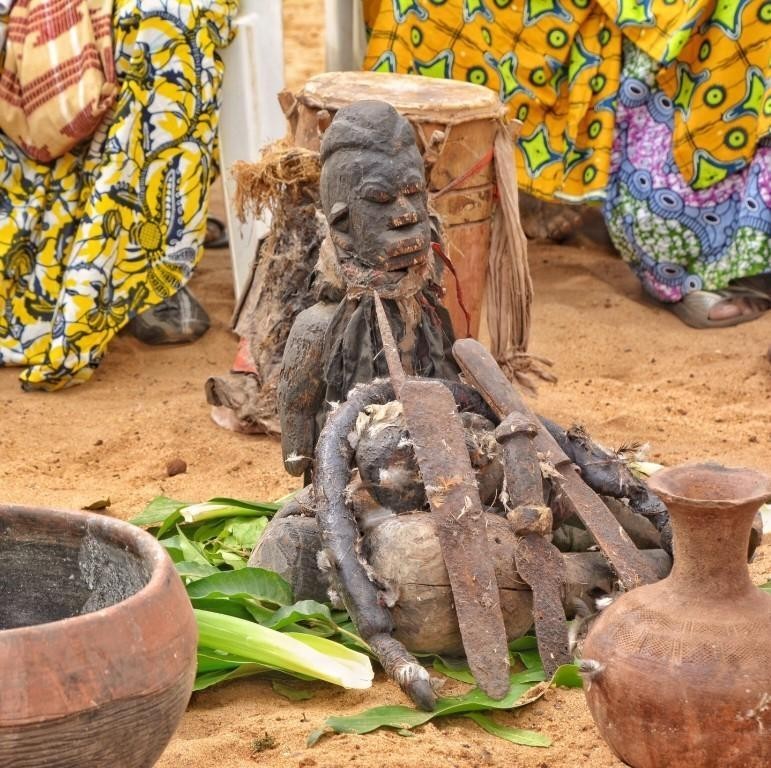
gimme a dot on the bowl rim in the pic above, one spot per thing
(112, 529)
(658, 483)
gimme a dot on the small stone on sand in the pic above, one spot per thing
(176, 467)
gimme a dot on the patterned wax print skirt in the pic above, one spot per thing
(673, 140)
(116, 226)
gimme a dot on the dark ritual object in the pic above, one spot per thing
(97, 642)
(483, 373)
(373, 194)
(451, 489)
(467, 150)
(677, 673)
(341, 540)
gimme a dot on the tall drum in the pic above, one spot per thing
(456, 125)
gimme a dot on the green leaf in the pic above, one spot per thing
(209, 679)
(206, 531)
(454, 669)
(255, 583)
(173, 546)
(524, 643)
(531, 659)
(314, 736)
(304, 610)
(291, 693)
(267, 507)
(243, 532)
(235, 561)
(215, 509)
(192, 551)
(188, 570)
(567, 676)
(520, 693)
(156, 512)
(766, 587)
(292, 653)
(226, 606)
(514, 735)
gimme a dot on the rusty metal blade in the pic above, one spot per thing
(541, 565)
(451, 489)
(390, 350)
(483, 373)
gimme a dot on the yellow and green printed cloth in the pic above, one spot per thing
(556, 64)
(116, 225)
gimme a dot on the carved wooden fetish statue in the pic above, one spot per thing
(373, 194)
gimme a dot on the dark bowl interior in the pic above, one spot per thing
(48, 574)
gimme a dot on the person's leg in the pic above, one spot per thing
(693, 250)
(142, 219)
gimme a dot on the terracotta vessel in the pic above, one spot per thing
(97, 642)
(678, 672)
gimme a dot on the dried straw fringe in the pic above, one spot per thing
(282, 176)
(509, 292)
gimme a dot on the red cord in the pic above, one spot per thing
(458, 290)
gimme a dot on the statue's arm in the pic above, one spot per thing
(301, 386)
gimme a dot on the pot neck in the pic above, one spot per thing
(710, 548)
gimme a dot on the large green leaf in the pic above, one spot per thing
(255, 583)
(268, 507)
(157, 511)
(395, 716)
(224, 605)
(567, 676)
(188, 570)
(243, 533)
(514, 735)
(455, 669)
(208, 679)
(304, 610)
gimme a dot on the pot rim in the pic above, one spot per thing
(110, 529)
(658, 483)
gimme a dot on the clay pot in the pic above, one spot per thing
(97, 642)
(678, 673)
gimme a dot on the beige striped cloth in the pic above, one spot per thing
(58, 75)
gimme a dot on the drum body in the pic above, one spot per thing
(455, 125)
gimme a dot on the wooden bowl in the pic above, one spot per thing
(97, 642)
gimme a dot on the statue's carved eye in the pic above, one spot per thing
(412, 189)
(338, 217)
(376, 195)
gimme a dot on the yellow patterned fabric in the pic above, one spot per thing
(557, 64)
(105, 231)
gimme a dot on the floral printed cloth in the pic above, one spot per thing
(678, 239)
(117, 225)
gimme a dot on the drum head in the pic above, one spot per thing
(419, 99)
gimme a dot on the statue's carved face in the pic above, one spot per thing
(377, 207)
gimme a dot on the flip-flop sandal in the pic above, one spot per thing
(693, 309)
(216, 234)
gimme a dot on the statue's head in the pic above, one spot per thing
(373, 188)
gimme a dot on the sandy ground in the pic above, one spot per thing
(627, 371)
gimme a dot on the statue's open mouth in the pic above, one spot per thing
(405, 252)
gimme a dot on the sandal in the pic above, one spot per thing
(216, 234)
(180, 319)
(694, 308)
